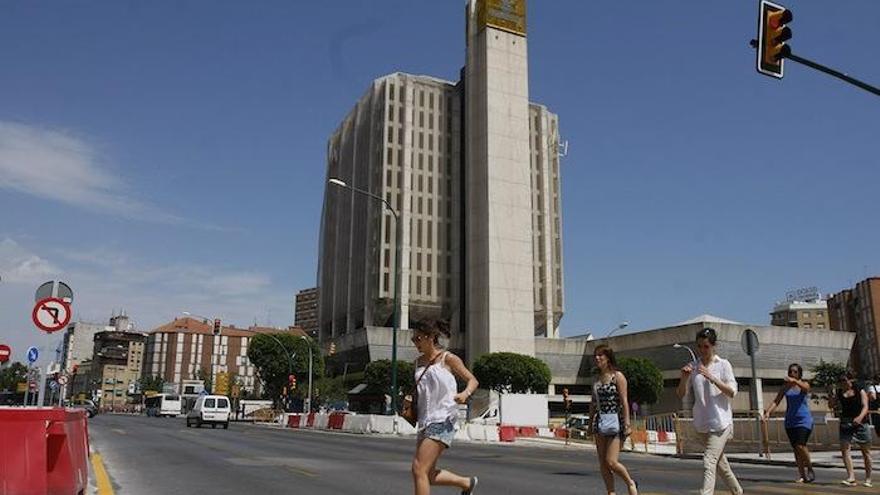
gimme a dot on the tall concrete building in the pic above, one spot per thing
(801, 314)
(306, 311)
(471, 169)
(857, 310)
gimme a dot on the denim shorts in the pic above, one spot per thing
(443, 432)
(858, 434)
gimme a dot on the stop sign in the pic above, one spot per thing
(5, 352)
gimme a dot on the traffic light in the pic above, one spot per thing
(292, 382)
(773, 33)
(332, 348)
(216, 326)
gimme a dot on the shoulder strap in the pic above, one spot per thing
(425, 370)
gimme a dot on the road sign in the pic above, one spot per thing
(53, 385)
(33, 354)
(56, 289)
(51, 314)
(5, 352)
(749, 342)
(62, 379)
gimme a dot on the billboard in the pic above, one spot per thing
(507, 15)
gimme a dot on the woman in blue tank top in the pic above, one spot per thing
(798, 419)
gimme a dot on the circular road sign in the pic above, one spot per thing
(51, 314)
(33, 354)
(62, 379)
(5, 352)
(749, 342)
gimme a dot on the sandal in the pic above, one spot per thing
(849, 482)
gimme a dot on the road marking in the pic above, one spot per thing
(117, 430)
(101, 478)
(304, 472)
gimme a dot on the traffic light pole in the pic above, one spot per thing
(831, 72)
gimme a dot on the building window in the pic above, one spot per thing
(807, 325)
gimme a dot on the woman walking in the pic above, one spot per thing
(853, 406)
(438, 401)
(610, 418)
(711, 383)
(798, 419)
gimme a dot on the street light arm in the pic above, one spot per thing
(337, 182)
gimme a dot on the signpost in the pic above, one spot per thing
(751, 346)
(52, 312)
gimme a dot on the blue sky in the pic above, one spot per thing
(169, 156)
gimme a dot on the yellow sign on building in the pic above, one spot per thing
(507, 15)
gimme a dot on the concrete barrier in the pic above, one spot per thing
(545, 433)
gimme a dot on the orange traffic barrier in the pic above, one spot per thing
(43, 451)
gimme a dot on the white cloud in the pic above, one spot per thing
(106, 280)
(62, 167)
(20, 266)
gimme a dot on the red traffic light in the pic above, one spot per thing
(772, 36)
(216, 326)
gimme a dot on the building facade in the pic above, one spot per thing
(857, 310)
(471, 169)
(187, 349)
(115, 368)
(306, 311)
(801, 314)
(78, 344)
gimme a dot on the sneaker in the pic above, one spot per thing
(800, 480)
(849, 482)
(470, 490)
(868, 483)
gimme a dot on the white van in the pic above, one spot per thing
(209, 409)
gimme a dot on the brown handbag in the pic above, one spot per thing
(409, 410)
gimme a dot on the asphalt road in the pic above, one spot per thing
(161, 456)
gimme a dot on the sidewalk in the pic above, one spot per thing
(826, 459)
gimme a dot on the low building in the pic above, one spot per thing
(571, 360)
(187, 349)
(801, 314)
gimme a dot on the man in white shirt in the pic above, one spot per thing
(711, 384)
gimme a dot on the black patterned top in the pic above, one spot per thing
(607, 396)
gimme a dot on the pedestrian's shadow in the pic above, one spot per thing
(572, 473)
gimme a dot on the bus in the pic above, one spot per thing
(162, 405)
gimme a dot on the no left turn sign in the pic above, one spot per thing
(51, 314)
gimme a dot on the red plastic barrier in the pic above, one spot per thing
(507, 433)
(335, 421)
(311, 420)
(294, 420)
(662, 436)
(43, 451)
(560, 433)
(527, 431)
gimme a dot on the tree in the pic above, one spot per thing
(508, 372)
(12, 375)
(377, 375)
(156, 383)
(329, 390)
(825, 378)
(273, 362)
(206, 378)
(643, 378)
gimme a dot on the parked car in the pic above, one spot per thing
(210, 409)
(579, 426)
(89, 406)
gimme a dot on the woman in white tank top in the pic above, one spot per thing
(437, 408)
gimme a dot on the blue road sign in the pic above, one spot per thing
(32, 354)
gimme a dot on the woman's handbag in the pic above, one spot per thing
(609, 424)
(409, 410)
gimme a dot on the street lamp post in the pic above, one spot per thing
(621, 326)
(397, 236)
(309, 344)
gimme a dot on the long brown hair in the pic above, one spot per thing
(606, 351)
